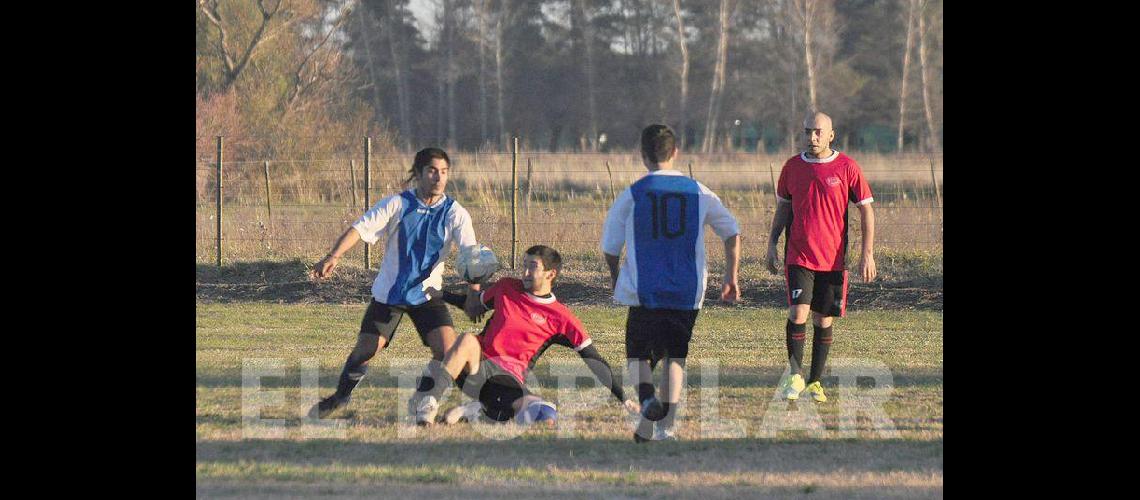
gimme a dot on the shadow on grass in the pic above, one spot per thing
(605, 455)
(761, 378)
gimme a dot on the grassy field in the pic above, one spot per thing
(379, 455)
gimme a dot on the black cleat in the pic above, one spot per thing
(644, 431)
(652, 409)
(327, 406)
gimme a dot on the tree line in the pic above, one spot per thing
(568, 75)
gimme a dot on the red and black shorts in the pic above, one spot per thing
(826, 291)
(496, 388)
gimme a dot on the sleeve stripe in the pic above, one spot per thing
(866, 201)
(584, 345)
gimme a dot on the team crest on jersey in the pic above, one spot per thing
(833, 181)
(538, 318)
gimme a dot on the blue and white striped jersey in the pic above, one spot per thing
(419, 238)
(660, 220)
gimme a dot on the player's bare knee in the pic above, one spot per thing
(440, 341)
(820, 320)
(367, 346)
(798, 314)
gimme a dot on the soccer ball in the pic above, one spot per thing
(476, 263)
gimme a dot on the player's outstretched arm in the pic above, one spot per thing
(867, 259)
(779, 222)
(463, 301)
(614, 263)
(473, 306)
(605, 375)
(325, 266)
(730, 290)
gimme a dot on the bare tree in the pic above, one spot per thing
(481, 14)
(906, 69)
(365, 28)
(451, 71)
(684, 71)
(588, 41)
(318, 68)
(932, 142)
(233, 64)
(806, 10)
(498, 32)
(717, 92)
(402, 96)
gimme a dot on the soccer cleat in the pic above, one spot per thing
(638, 439)
(816, 391)
(664, 434)
(793, 387)
(644, 431)
(468, 412)
(426, 410)
(326, 406)
(652, 409)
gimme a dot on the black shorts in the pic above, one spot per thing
(496, 388)
(826, 291)
(658, 333)
(382, 319)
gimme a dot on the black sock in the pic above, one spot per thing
(671, 410)
(645, 390)
(795, 341)
(435, 381)
(350, 376)
(820, 344)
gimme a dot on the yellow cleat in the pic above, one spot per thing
(793, 386)
(816, 391)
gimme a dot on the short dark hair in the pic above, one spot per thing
(550, 258)
(658, 142)
(424, 158)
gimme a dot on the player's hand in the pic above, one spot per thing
(473, 307)
(633, 407)
(773, 260)
(325, 266)
(867, 267)
(730, 292)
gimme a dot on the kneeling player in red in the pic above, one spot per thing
(492, 367)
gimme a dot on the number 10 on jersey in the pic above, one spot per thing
(661, 220)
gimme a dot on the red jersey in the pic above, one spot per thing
(819, 190)
(523, 324)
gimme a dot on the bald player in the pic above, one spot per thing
(814, 191)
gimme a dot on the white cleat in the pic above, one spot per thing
(468, 412)
(426, 410)
(663, 434)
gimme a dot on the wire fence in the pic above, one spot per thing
(286, 208)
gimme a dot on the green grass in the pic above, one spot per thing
(600, 459)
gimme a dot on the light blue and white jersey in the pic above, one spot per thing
(419, 238)
(660, 220)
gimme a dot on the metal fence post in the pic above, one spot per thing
(268, 207)
(772, 178)
(218, 195)
(367, 188)
(937, 197)
(352, 174)
(268, 199)
(514, 201)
